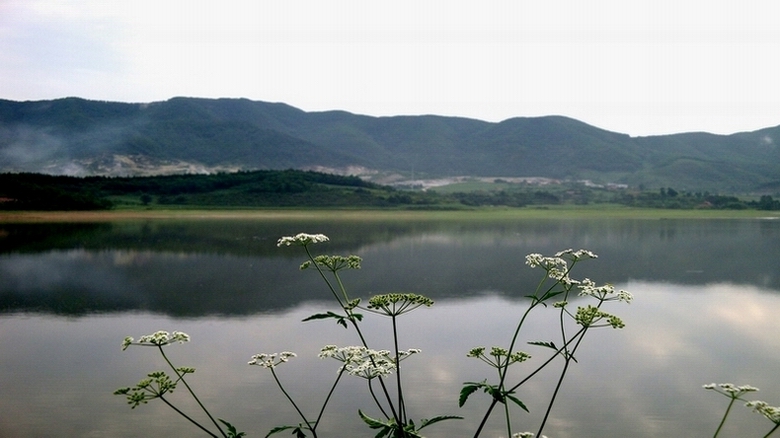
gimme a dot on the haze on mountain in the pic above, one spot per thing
(190, 135)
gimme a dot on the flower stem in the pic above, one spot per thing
(187, 417)
(192, 393)
(327, 399)
(401, 406)
(726, 414)
(292, 402)
(773, 430)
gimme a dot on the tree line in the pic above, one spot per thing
(297, 188)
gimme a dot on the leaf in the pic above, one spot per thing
(387, 427)
(468, 389)
(433, 420)
(279, 429)
(322, 316)
(544, 344)
(517, 402)
(233, 432)
(340, 319)
(372, 423)
(549, 295)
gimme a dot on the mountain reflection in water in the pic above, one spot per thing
(706, 300)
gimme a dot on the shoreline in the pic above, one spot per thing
(552, 213)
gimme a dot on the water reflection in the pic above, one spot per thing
(235, 268)
(643, 381)
(706, 295)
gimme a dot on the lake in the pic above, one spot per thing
(706, 299)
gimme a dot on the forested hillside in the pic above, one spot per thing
(296, 188)
(187, 135)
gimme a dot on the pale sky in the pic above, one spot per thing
(635, 67)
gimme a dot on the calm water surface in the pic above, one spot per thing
(707, 296)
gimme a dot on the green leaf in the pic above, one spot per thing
(544, 344)
(372, 423)
(232, 431)
(468, 389)
(323, 316)
(517, 402)
(279, 429)
(340, 319)
(433, 420)
(549, 295)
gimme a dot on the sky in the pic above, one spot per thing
(630, 66)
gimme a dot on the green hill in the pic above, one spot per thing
(189, 135)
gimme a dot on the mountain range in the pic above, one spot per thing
(75, 136)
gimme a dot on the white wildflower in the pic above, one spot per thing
(271, 360)
(730, 390)
(770, 412)
(302, 239)
(364, 362)
(158, 338)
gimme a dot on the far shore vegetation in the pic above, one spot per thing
(284, 190)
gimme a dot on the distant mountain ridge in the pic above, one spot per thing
(81, 137)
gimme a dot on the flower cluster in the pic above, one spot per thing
(302, 239)
(364, 362)
(525, 435)
(603, 293)
(156, 385)
(590, 315)
(157, 339)
(394, 304)
(271, 360)
(730, 390)
(770, 412)
(498, 356)
(558, 266)
(334, 263)
(576, 255)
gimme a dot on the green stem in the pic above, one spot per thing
(773, 430)
(376, 400)
(506, 414)
(292, 402)
(327, 399)
(187, 417)
(381, 380)
(192, 393)
(723, 420)
(567, 360)
(502, 370)
(322, 274)
(527, 378)
(401, 405)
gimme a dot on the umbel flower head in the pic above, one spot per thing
(604, 293)
(364, 362)
(498, 356)
(271, 360)
(770, 412)
(395, 304)
(334, 262)
(589, 316)
(302, 239)
(729, 389)
(157, 339)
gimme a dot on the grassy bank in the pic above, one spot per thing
(552, 212)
